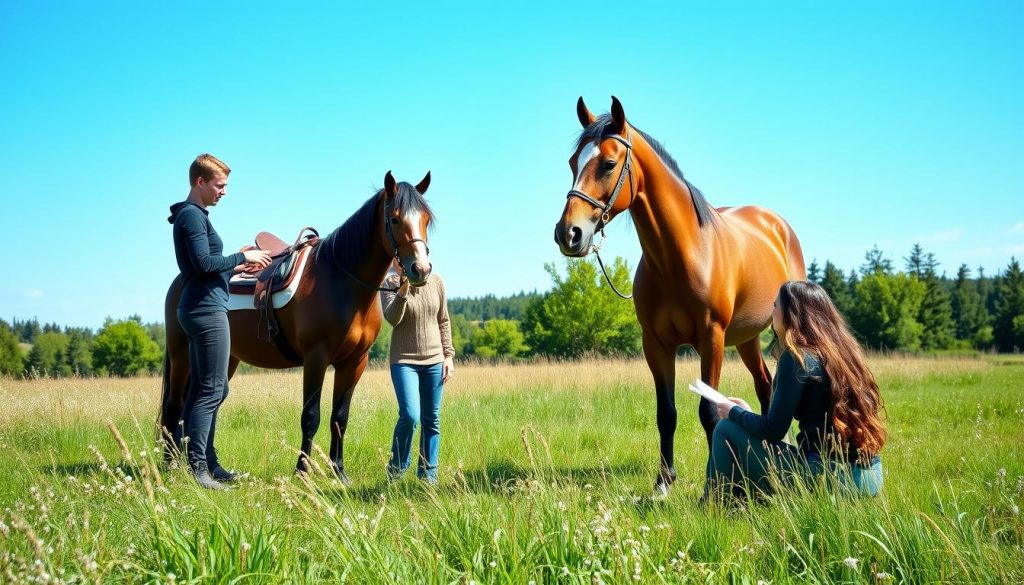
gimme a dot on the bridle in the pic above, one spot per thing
(606, 208)
(395, 253)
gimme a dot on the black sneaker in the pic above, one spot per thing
(223, 475)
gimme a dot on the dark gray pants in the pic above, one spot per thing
(209, 348)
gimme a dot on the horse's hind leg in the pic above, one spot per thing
(346, 376)
(750, 352)
(176, 380)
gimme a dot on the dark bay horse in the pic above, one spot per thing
(707, 277)
(333, 317)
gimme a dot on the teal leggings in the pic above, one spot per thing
(739, 459)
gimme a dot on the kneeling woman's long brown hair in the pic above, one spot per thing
(813, 324)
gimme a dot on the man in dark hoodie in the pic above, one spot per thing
(202, 311)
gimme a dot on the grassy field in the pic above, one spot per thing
(546, 477)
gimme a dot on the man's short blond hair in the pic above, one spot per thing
(206, 166)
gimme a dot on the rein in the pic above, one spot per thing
(606, 208)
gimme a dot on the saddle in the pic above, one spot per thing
(278, 275)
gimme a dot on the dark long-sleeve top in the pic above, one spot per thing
(198, 250)
(422, 330)
(803, 393)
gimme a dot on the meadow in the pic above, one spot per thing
(546, 476)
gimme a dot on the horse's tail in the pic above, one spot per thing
(165, 393)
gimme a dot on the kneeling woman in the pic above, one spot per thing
(823, 382)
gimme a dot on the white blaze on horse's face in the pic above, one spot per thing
(587, 153)
(418, 266)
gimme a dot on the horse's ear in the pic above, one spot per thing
(618, 116)
(586, 118)
(389, 185)
(422, 186)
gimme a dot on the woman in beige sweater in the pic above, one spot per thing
(422, 360)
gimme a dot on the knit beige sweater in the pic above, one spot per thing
(422, 333)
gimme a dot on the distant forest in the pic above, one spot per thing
(913, 309)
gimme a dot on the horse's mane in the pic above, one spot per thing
(601, 127)
(352, 239)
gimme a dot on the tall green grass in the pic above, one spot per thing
(545, 477)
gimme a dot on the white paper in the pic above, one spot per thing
(701, 389)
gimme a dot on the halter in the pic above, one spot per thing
(394, 246)
(606, 208)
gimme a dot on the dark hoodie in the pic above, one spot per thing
(198, 249)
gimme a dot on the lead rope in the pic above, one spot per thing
(596, 250)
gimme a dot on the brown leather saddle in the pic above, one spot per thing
(278, 275)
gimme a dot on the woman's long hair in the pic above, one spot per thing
(813, 324)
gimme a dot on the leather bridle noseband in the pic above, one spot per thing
(606, 208)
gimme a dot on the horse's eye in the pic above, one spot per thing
(393, 220)
(608, 165)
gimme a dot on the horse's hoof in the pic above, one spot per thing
(342, 477)
(660, 492)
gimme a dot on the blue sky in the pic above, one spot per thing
(861, 123)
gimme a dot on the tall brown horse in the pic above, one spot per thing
(333, 317)
(707, 277)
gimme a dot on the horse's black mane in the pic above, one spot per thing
(352, 239)
(601, 127)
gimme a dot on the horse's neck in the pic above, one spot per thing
(664, 215)
(369, 266)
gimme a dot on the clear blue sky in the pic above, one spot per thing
(862, 123)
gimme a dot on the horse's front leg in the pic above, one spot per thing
(662, 363)
(346, 376)
(313, 369)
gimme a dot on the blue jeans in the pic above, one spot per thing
(739, 459)
(209, 349)
(418, 389)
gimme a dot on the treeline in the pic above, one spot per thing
(490, 307)
(912, 309)
(120, 348)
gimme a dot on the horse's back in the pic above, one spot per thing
(763, 238)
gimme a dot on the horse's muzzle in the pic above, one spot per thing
(572, 239)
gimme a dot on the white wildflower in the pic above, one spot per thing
(851, 562)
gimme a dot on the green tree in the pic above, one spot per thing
(968, 309)
(875, 263)
(382, 345)
(814, 272)
(12, 363)
(936, 313)
(886, 311)
(499, 338)
(834, 282)
(78, 356)
(1008, 322)
(582, 315)
(158, 333)
(47, 356)
(918, 263)
(122, 348)
(462, 334)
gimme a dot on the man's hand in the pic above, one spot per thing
(403, 289)
(447, 370)
(259, 258)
